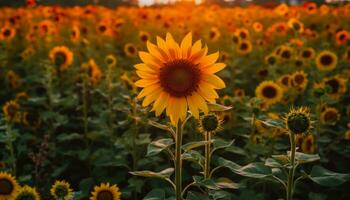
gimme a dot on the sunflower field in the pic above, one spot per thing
(175, 102)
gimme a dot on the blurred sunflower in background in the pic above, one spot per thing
(106, 192)
(8, 186)
(27, 193)
(61, 190)
(326, 60)
(178, 77)
(269, 92)
(62, 57)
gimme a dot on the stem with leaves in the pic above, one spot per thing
(207, 152)
(290, 183)
(178, 161)
(9, 144)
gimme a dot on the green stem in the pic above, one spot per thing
(207, 155)
(85, 115)
(10, 147)
(178, 161)
(134, 145)
(290, 183)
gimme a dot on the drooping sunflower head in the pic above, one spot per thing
(31, 119)
(326, 60)
(13, 79)
(8, 186)
(106, 192)
(269, 92)
(27, 193)
(329, 116)
(178, 77)
(210, 123)
(298, 121)
(11, 111)
(61, 190)
(62, 57)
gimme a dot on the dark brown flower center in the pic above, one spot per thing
(131, 49)
(330, 116)
(243, 46)
(179, 77)
(299, 79)
(269, 92)
(306, 54)
(286, 54)
(285, 81)
(6, 187)
(326, 60)
(7, 32)
(334, 84)
(105, 195)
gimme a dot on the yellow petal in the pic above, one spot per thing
(193, 106)
(207, 92)
(145, 82)
(197, 46)
(146, 68)
(200, 102)
(209, 59)
(161, 103)
(182, 108)
(146, 75)
(162, 45)
(147, 90)
(156, 52)
(186, 45)
(151, 97)
(149, 59)
(214, 80)
(214, 68)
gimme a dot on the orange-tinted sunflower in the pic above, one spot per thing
(308, 145)
(62, 57)
(7, 33)
(130, 50)
(342, 37)
(11, 111)
(178, 77)
(337, 86)
(244, 47)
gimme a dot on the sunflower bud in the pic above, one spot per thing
(298, 121)
(210, 123)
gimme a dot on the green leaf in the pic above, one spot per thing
(191, 145)
(326, 177)
(156, 194)
(218, 108)
(165, 174)
(160, 126)
(253, 170)
(193, 156)
(158, 146)
(196, 196)
(306, 158)
(270, 162)
(69, 137)
(207, 183)
(221, 144)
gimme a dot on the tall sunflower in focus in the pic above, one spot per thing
(178, 77)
